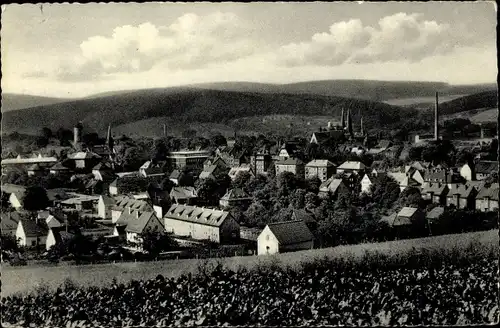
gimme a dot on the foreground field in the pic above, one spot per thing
(26, 279)
(428, 285)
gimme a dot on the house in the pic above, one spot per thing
(485, 168)
(184, 195)
(292, 165)
(175, 176)
(201, 223)
(104, 206)
(233, 155)
(403, 180)
(332, 186)
(103, 172)
(321, 168)
(306, 216)
(213, 171)
(439, 175)
(137, 223)
(190, 159)
(150, 169)
(50, 219)
(287, 150)
(250, 234)
(9, 222)
(234, 171)
(129, 204)
(57, 235)
(433, 215)
(215, 161)
(81, 202)
(59, 169)
(280, 237)
(37, 159)
(84, 160)
(235, 197)
(31, 233)
(461, 196)
(435, 192)
(57, 195)
(467, 172)
(393, 152)
(352, 167)
(261, 161)
(487, 198)
(366, 183)
(16, 195)
(404, 218)
(416, 175)
(34, 169)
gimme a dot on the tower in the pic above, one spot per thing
(349, 123)
(362, 127)
(436, 119)
(77, 133)
(342, 121)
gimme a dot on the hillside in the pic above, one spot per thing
(11, 101)
(487, 99)
(361, 89)
(193, 105)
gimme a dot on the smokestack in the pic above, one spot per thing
(436, 118)
(482, 130)
(164, 130)
(362, 127)
(349, 123)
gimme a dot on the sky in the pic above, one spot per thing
(75, 50)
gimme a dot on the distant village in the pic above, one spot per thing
(198, 196)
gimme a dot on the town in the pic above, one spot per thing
(96, 201)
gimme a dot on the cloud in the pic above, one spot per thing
(191, 41)
(397, 37)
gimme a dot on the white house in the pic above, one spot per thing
(55, 236)
(31, 232)
(366, 184)
(286, 236)
(104, 206)
(124, 203)
(137, 223)
(467, 172)
(201, 223)
(321, 168)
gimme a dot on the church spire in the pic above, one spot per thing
(349, 123)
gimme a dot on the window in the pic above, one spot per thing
(267, 238)
(33, 242)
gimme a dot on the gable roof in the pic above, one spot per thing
(9, 188)
(233, 172)
(435, 213)
(83, 155)
(107, 200)
(195, 214)
(291, 232)
(303, 215)
(407, 212)
(290, 161)
(438, 189)
(389, 219)
(59, 167)
(183, 192)
(10, 221)
(60, 234)
(123, 202)
(137, 225)
(176, 174)
(33, 229)
(384, 144)
(352, 165)
(332, 184)
(320, 162)
(460, 189)
(490, 192)
(236, 193)
(437, 175)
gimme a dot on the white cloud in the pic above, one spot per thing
(191, 41)
(400, 36)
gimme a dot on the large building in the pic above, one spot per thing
(191, 159)
(321, 168)
(201, 223)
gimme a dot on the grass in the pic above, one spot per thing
(26, 279)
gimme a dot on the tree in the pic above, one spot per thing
(410, 197)
(132, 159)
(241, 180)
(384, 192)
(207, 190)
(154, 242)
(46, 133)
(9, 243)
(218, 140)
(35, 199)
(41, 141)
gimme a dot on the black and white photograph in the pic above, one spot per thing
(273, 164)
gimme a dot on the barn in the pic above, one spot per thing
(280, 237)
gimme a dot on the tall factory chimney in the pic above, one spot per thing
(342, 120)
(436, 118)
(164, 130)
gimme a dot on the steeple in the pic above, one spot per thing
(349, 123)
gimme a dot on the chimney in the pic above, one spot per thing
(129, 210)
(164, 130)
(342, 121)
(137, 214)
(436, 118)
(482, 130)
